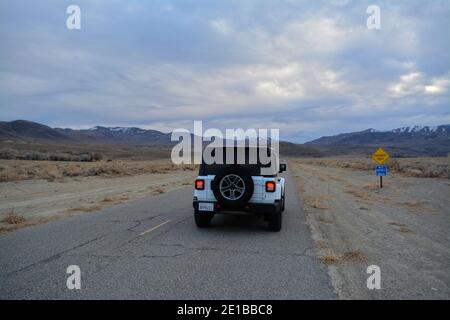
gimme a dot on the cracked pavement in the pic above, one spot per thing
(237, 258)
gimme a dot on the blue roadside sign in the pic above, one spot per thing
(381, 171)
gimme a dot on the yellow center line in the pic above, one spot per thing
(154, 228)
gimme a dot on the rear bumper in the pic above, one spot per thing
(260, 208)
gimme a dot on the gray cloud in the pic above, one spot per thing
(308, 68)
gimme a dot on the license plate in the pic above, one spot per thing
(205, 206)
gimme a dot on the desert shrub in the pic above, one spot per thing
(87, 157)
(60, 157)
(36, 156)
(9, 176)
(394, 165)
(413, 167)
(13, 218)
(97, 157)
(55, 170)
(7, 154)
(45, 155)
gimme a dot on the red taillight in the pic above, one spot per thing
(200, 184)
(270, 186)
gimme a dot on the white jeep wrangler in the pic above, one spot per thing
(232, 188)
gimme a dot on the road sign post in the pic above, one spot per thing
(380, 156)
(381, 171)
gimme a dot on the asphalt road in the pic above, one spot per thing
(151, 249)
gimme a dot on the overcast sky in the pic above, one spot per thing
(310, 68)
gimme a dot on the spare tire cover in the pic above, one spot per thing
(233, 187)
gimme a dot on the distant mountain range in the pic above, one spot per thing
(32, 131)
(406, 141)
(372, 136)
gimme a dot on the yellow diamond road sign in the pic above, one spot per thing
(380, 156)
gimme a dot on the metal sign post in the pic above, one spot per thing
(381, 171)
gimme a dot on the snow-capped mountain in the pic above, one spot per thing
(123, 135)
(414, 140)
(21, 129)
(406, 141)
(422, 129)
(123, 130)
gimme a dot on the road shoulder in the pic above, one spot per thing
(402, 228)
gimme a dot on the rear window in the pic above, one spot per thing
(252, 169)
(213, 169)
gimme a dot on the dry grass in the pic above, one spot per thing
(108, 199)
(405, 230)
(114, 200)
(365, 196)
(21, 222)
(15, 170)
(124, 198)
(327, 177)
(355, 256)
(329, 259)
(40, 155)
(319, 205)
(91, 208)
(13, 222)
(323, 219)
(320, 244)
(27, 150)
(416, 204)
(372, 186)
(401, 227)
(436, 167)
(158, 190)
(316, 202)
(15, 219)
(301, 188)
(358, 193)
(397, 224)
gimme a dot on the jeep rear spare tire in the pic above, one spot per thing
(232, 187)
